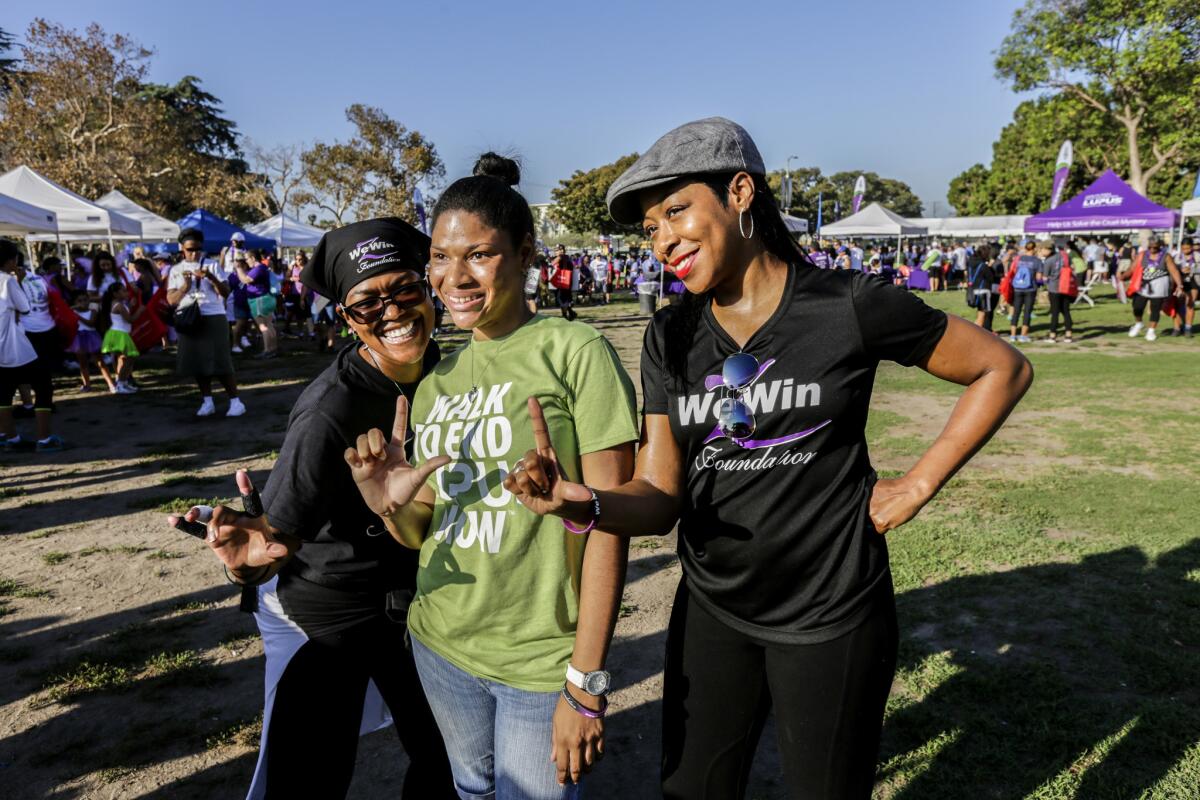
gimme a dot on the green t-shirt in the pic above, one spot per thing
(498, 586)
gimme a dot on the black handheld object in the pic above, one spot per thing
(197, 529)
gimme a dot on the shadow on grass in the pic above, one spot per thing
(159, 700)
(1078, 679)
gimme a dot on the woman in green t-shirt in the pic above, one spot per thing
(514, 612)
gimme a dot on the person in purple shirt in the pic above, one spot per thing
(818, 256)
(256, 284)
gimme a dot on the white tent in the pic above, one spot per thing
(874, 220)
(1191, 208)
(18, 218)
(77, 218)
(154, 227)
(974, 227)
(288, 231)
(794, 225)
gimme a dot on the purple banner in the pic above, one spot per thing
(1061, 167)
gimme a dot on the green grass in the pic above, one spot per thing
(42, 534)
(12, 588)
(55, 557)
(90, 676)
(165, 555)
(244, 733)
(1049, 602)
(172, 505)
(191, 479)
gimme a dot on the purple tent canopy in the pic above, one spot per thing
(1108, 204)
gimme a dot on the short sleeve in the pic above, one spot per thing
(654, 390)
(296, 497)
(174, 280)
(894, 324)
(603, 401)
(11, 291)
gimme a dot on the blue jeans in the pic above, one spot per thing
(498, 738)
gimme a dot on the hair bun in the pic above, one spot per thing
(498, 167)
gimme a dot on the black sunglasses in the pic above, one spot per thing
(407, 295)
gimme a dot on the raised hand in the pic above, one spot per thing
(244, 541)
(385, 479)
(538, 481)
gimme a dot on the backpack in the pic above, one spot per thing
(972, 298)
(1068, 283)
(1023, 278)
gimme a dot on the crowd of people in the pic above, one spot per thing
(98, 314)
(1007, 279)
(562, 279)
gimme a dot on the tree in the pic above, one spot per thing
(81, 113)
(283, 174)
(808, 184)
(1135, 62)
(1020, 177)
(336, 175)
(579, 199)
(8, 66)
(197, 117)
(374, 173)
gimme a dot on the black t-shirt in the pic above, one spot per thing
(348, 563)
(775, 536)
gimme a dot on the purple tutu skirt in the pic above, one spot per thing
(85, 342)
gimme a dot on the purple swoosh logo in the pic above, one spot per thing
(370, 257)
(368, 241)
(755, 444)
(717, 381)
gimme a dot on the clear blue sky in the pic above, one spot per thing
(903, 89)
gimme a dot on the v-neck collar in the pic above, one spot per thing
(764, 330)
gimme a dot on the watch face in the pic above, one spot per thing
(596, 683)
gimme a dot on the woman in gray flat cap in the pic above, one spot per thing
(756, 392)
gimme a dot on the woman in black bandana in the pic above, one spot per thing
(332, 587)
(756, 390)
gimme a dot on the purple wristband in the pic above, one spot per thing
(595, 516)
(582, 709)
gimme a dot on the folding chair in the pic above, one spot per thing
(1099, 276)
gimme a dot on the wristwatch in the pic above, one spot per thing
(596, 683)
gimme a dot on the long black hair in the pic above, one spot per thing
(771, 231)
(488, 193)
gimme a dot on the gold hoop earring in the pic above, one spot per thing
(742, 226)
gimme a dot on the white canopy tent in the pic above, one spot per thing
(974, 227)
(1191, 208)
(873, 221)
(795, 225)
(78, 218)
(18, 218)
(288, 231)
(154, 227)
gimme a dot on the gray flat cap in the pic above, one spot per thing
(705, 146)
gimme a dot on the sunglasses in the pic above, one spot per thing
(734, 417)
(407, 295)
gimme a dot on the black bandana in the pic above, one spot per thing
(353, 253)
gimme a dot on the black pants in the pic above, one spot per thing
(1139, 307)
(1060, 303)
(1023, 306)
(564, 303)
(313, 736)
(33, 373)
(828, 699)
